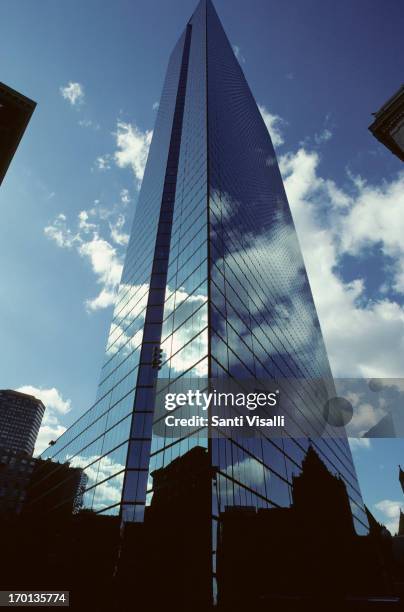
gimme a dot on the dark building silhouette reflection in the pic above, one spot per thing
(173, 560)
(303, 556)
(56, 486)
(307, 554)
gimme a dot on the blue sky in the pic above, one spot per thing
(318, 69)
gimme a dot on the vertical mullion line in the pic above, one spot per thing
(208, 216)
(179, 108)
(210, 450)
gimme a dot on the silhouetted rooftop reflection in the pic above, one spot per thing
(308, 554)
(305, 554)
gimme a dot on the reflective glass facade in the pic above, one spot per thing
(213, 275)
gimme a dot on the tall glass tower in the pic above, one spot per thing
(214, 277)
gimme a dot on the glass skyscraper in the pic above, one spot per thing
(214, 277)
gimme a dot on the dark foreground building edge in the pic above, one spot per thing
(15, 113)
(213, 277)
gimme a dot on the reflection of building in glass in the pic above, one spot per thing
(15, 113)
(388, 126)
(20, 419)
(36, 486)
(315, 553)
(213, 275)
(174, 539)
(308, 555)
(55, 487)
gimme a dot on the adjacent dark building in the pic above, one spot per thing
(388, 126)
(401, 477)
(401, 519)
(16, 470)
(398, 543)
(20, 420)
(58, 552)
(15, 113)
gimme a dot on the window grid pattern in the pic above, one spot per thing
(184, 339)
(263, 319)
(213, 275)
(98, 441)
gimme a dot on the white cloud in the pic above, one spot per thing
(363, 337)
(104, 256)
(47, 433)
(133, 148)
(359, 444)
(325, 135)
(103, 162)
(276, 250)
(52, 398)
(117, 235)
(73, 93)
(377, 218)
(60, 233)
(185, 354)
(273, 123)
(56, 406)
(88, 123)
(125, 197)
(107, 268)
(108, 492)
(390, 514)
(84, 224)
(367, 412)
(238, 54)
(247, 470)
(156, 106)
